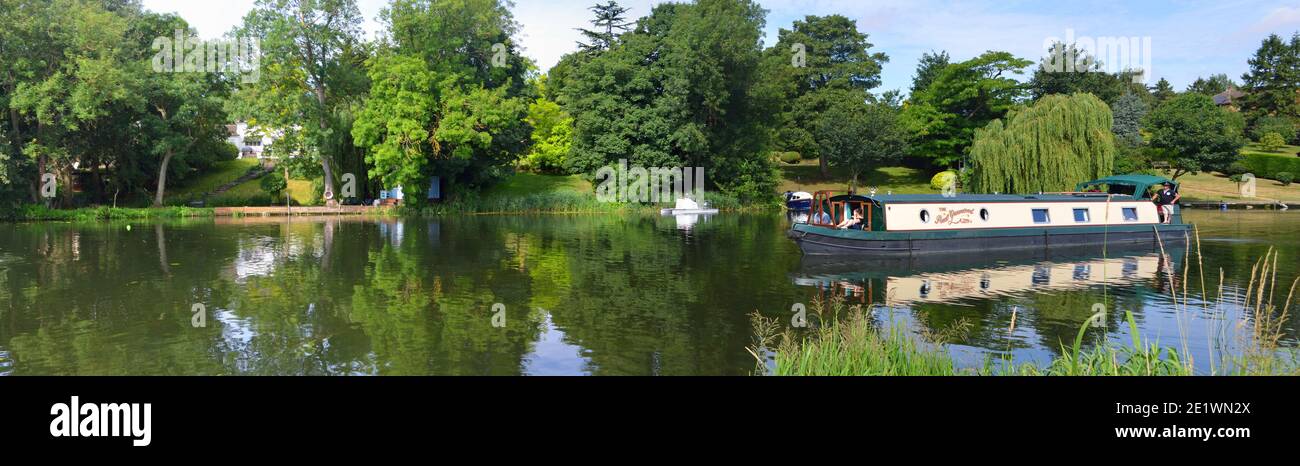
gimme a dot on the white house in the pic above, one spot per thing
(250, 141)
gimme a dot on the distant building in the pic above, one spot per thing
(252, 143)
(1230, 98)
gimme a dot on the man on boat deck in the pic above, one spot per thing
(1166, 198)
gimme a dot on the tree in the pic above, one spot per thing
(1273, 80)
(1193, 134)
(1163, 91)
(1128, 112)
(70, 73)
(962, 98)
(552, 133)
(1089, 75)
(857, 136)
(447, 99)
(1050, 146)
(928, 68)
(819, 60)
(680, 90)
(1283, 126)
(1211, 86)
(609, 23)
(309, 75)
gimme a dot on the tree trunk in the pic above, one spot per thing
(826, 173)
(162, 179)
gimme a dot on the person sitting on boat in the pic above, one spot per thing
(1165, 199)
(851, 221)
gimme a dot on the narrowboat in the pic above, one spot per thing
(1112, 211)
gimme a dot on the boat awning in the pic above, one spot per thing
(1140, 183)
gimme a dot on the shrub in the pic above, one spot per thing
(273, 183)
(1285, 178)
(791, 157)
(943, 179)
(1272, 142)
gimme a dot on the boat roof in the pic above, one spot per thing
(1132, 179)
(986, 198)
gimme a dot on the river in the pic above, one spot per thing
(541, 295)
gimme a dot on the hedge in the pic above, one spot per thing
(1268, 166)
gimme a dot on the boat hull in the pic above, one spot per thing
(799, 204)
(815, 240)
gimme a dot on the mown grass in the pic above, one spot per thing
(222, 172)
(856, 345)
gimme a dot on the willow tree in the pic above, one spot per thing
(1059, 141)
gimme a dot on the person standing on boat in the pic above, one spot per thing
(1166, 198)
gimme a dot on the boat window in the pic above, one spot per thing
(925, 216)
(984, 215)
(1041, 216)
(1130, 214)
(1081, 215)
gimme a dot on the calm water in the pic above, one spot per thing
(580, 295)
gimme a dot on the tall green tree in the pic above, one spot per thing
(1273, 80)
(448, 96)
(682, 89)
(928, 68)
(1089, 75)
(1128, 112)
(1194, 135)
(965, 96)
(308, 75)
(1163, 91)
(816, 62)
(610, 21)
(1215, 84)
(857, 136)
(552, 132)
(1049, 146)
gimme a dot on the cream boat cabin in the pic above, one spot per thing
(1110, 211)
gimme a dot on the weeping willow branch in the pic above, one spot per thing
(1059, 141)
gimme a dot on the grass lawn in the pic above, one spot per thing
(300, 190)
(222, 173)
(1285, 151)
(1216, 186)
(806, 176)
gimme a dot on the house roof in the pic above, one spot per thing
(1228, 96)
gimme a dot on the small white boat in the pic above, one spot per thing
(688, 207)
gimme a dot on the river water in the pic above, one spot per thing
(593, 294)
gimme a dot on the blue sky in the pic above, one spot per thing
(1188, 38)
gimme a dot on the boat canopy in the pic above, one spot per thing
(1132, 184)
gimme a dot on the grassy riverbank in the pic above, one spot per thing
(42, 213)
(846, 340)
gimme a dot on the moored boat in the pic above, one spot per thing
(1108, 211)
